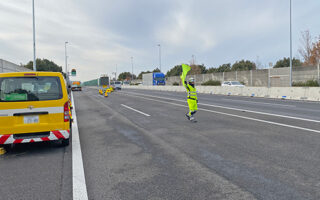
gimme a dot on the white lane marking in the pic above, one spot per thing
(135, 110)
(237, 109)
(259, 102)
(78, 178)
(238, 116)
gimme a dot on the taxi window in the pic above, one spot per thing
(40, 88)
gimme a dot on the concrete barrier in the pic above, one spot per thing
(294, 93)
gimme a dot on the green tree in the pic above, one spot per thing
(224, 68)
(212, 70)
(285, 62)
(221, 68)
(126, 76)
(44, 65)
(156, 70)
(243, 65)
(175, 71)
(198, 69)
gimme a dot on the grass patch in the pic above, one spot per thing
(212, 83)
(309, 83)
(176, 84)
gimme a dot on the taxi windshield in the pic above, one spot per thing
(39, 88)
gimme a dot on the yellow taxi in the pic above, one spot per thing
(34, 107)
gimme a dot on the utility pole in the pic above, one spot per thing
(66, 56)
(159, 56)
(290, 44)
(34, 39)
(132, 68)
(66, 60)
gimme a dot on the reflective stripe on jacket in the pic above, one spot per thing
(192, 92)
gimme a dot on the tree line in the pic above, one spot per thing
(44, 65)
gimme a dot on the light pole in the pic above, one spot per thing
(34, 39)
(66, 57)
(132, 68)
(159, 56)
(116, 71)
(290, 44)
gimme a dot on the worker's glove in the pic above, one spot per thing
(197, 101)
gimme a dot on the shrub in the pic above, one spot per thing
(309, 83)
(175, 84)
(212, 82)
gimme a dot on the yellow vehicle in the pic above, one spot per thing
(34, 107)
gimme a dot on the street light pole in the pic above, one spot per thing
(132, 68)
(66, 57)
(159, 56)
(290, 44)
(34, 39)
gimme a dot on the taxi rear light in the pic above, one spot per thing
(30, 74)
(66, 112)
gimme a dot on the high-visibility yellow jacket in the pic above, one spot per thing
(192, 92)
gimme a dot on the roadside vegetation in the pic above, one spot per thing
(212, 83)
(309, 83)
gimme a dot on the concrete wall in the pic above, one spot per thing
(296, 93)
(279, 77)
(6, 66)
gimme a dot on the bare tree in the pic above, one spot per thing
(305, 49)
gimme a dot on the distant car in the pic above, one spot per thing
(117, 85)
(232, 84)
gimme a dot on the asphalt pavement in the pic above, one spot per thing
(36, 171)
(138, 144)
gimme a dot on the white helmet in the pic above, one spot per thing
(191, 80)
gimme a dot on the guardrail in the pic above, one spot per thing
(294, 93)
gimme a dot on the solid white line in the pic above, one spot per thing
(259, 102)
(237, 109)
(78, 178)
(238, 116)
(135, 110)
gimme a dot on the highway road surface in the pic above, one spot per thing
(138, 144)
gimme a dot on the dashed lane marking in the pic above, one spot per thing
(145, 114)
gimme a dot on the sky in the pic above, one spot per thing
(103, 35)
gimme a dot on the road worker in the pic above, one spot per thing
(192, 93)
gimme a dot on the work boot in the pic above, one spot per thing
(188, 116)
